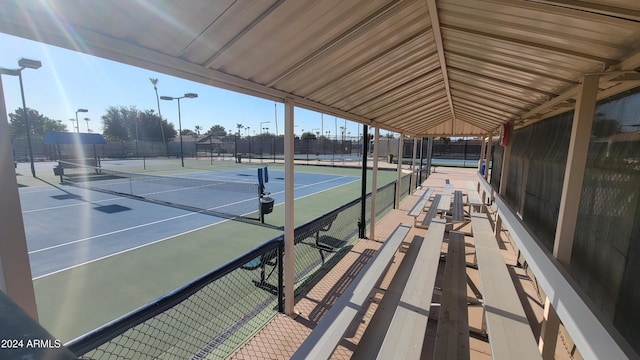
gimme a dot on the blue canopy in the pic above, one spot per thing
(62, 138)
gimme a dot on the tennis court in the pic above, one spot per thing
(85, 245)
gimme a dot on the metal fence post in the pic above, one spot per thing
(281, 277)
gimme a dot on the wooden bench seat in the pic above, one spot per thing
(445, 201)
(457, 213)
(325, 337)
(510, 335)
(431, 213)
(473, 198)
(405, 334)
(419, 207)
(452, 336)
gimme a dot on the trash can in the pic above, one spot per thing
(238, 159)
(58, 171)
(266, 204)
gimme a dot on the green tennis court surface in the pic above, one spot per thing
(76, 299)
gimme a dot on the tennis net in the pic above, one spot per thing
(221, 198)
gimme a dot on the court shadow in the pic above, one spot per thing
(239, 218)
(107, 209)
(111, 209)
(67, 196)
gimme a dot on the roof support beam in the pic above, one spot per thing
(632, 62)
(289, 223)
(399, 170)
(437, 38)
(15, 271)
(570, 200)
(374, 181)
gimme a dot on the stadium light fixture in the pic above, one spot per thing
(29, 64)
(24, 64)
(171, 98)
(78, 122)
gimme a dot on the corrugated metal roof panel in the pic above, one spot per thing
(454, 67)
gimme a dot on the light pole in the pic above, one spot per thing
(77, 121)
(261, 132)
(24, 64)
(187, 95)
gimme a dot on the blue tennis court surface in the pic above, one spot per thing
(67, 226)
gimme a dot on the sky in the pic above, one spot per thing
(70, 80)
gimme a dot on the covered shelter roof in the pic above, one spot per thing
(420, 67)
(70, 138)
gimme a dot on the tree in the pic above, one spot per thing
(197, 129)
(148, 128)
(308, 135)
(116, 122)
(122, 123)
(38, 123)
(239, 126)
(217, 130)
(186, 132)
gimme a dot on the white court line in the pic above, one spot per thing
(118, 253)
(109, 233)
(153, 223)
(136, 227)
(159, 240)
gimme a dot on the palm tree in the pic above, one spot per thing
(154, 81)
(240, 126)
(197, 128)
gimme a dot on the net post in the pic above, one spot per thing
(260, 191)
(130, 185)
